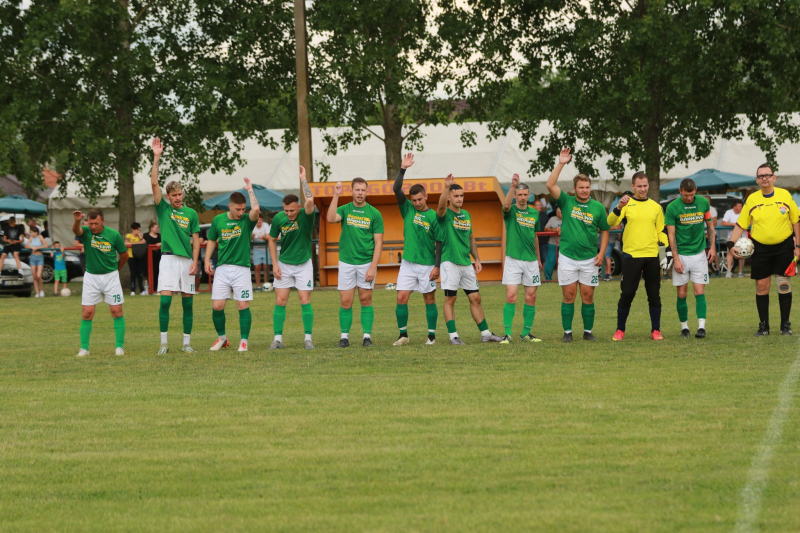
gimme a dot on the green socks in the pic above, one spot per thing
(367, 318)
(308, 318)
(279, 317)
(528, 314)
(188, 315)
(483, 326)
(345, 319)
(451, 326)
(245, 321)
(86, 333)
(587, 312)
(683, 309)
(432, 314)
(508, 317)
(119, 333)
(700, 303)
(567, 313)
(163, 313)
(401, 311)
(218, 317)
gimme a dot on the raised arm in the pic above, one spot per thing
(158, 149)
(254, 207)
(563, 158)
(511, 192)
(408, 160)
(306, 193)
(333, 217)
(616, 215)
(441, 209)
(76, 224)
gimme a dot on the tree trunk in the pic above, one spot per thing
(652, 160)
(127, 207)
(392, 141)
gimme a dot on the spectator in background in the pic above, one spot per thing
(33, 225)
(46, 232)
(13, 235)
(715, 264)
(729, 221)
(78, 243)
(554, 224)
(153, 237)
(37, 243)
(59, 267)
(135, 261)
(540, 224)
(260, 252)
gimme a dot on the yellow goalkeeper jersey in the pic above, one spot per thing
(644, 227)
(772, 217)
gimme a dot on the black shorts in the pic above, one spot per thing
(11, 248)
(771, 259)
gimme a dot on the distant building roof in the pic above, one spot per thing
(11, 185)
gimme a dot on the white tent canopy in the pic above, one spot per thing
(442, 153)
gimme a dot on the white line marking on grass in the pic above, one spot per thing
(750, 505)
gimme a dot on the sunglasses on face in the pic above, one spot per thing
(763, 176)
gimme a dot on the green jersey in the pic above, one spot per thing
(177, 228)
(233, 239)
(521, 232)
(419, 232)
(455, 230)
(690, 224)
(359, 226)
(579, 226)
(101, 250)
(295, 236)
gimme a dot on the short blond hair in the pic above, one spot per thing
(174, 186)
(581, 177)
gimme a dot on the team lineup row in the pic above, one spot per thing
(439, 244)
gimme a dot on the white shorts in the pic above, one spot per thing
(173, 274)
(516, 272)
(301, 277)
(351, 276)
(570, 271)
(694, 267)
(415, 277)
(95, 286)
(232, 279)
(456, 277)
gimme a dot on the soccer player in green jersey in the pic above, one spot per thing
(231, 232)
(685, 218)
(422, 255)
(293, 268)
(579, 260)
(360, 246)
(522, 263)
(458, 242)
(106, 254)
(180, 248)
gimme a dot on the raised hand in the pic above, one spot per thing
(514, 181)
(248, 185)
(449, 180)
(77, 215)
(337, 189)
(302, 173)
(564, 157)
(158, 148)
(408, 160)
(623, 201)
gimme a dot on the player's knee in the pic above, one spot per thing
(87, 314)
(429, 298)
(218, 305)
(511, 298)
(784, 285)
(530, 299)
(116, 313)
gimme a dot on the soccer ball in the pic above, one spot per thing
(390, 286)
(745, 247)
(65, 292)
(267, 287)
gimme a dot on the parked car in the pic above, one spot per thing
(71, 259)
(13, 281)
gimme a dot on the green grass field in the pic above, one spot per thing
(631, 436)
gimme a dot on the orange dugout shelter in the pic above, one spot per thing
(483, 199)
